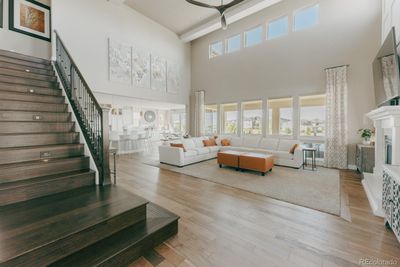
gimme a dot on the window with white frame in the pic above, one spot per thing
(211, 119)
(278, 28)
(253, 36)
(252, 117)
(306, 17)
(216, 49)
(312, 116)
(280, 116)
(233, 44)
(229, 118)
(178, 121)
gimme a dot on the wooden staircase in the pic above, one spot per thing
(51, 211)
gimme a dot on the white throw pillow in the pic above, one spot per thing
(269, 144)
(286, 145)
(198, 141)
(188, 143)
(251, 141)
(236, 141)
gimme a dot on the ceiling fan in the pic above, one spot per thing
(221, 8)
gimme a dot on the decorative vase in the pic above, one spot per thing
(366, 141)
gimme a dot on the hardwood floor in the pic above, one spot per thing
(223, 226)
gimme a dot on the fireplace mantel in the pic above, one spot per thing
(387, 117)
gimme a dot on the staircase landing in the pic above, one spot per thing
(82, 227)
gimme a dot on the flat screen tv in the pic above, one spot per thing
(386, 71)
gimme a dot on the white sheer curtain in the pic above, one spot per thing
(336, 118)
(197, 108)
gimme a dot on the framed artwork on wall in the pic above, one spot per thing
(1, 13)
(31, 18)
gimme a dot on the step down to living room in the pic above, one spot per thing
(51, 210)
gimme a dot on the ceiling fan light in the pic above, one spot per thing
(223, 22)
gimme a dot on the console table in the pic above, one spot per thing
(391, 197)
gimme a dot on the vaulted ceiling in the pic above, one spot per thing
(177, 15)
(189, 21)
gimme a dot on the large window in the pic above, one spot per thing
(312, 116)
(278, 28)
(253, 36)
(211, 119)
(280, 116)
(216, 49)
(252, 117)
(233, 44)
(229, 118)
(178, 121)
(306, 17)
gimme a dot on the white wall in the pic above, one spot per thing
(390, 18)
(348, 33)
(85, 27)
(21, 43)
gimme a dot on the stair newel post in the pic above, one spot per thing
(106, 179)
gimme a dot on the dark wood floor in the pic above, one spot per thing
(222, 226)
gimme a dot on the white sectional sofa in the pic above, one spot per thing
(196, 152)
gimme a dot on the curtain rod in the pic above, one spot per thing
(346, 65)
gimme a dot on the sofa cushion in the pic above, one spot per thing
(190, 153)
(286, 145)
(198, 141)
(251, 141)
(236, 141)
(269, 143)
(213, 148)
(188, 143)
(283, 155)
(202, 150)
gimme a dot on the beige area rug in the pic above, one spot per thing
(319, 190)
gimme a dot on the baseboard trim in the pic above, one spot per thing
(373, 201)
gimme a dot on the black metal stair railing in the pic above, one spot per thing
(92, 119)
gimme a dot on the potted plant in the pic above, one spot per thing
(366, 135)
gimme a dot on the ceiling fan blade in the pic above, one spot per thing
(193, 2)
(233, 3)
(223, 22)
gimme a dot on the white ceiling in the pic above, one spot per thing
(189, 21)
(177, 15)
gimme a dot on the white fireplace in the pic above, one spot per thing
(387, 127)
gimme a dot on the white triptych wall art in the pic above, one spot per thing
(158, 73)
(140, 68)
(131, 65)
(119, 62)
(173, 78)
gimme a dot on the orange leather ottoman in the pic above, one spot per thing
(229, 158)
(256, 162)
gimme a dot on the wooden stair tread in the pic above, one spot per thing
(42, 146)
(28, 86)
(157, 218)
(13, 54)
(43, 133)
(38, 162)
(33, 98)
(42, 179)
(39, 223)
(33, 111)
(13, 93)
